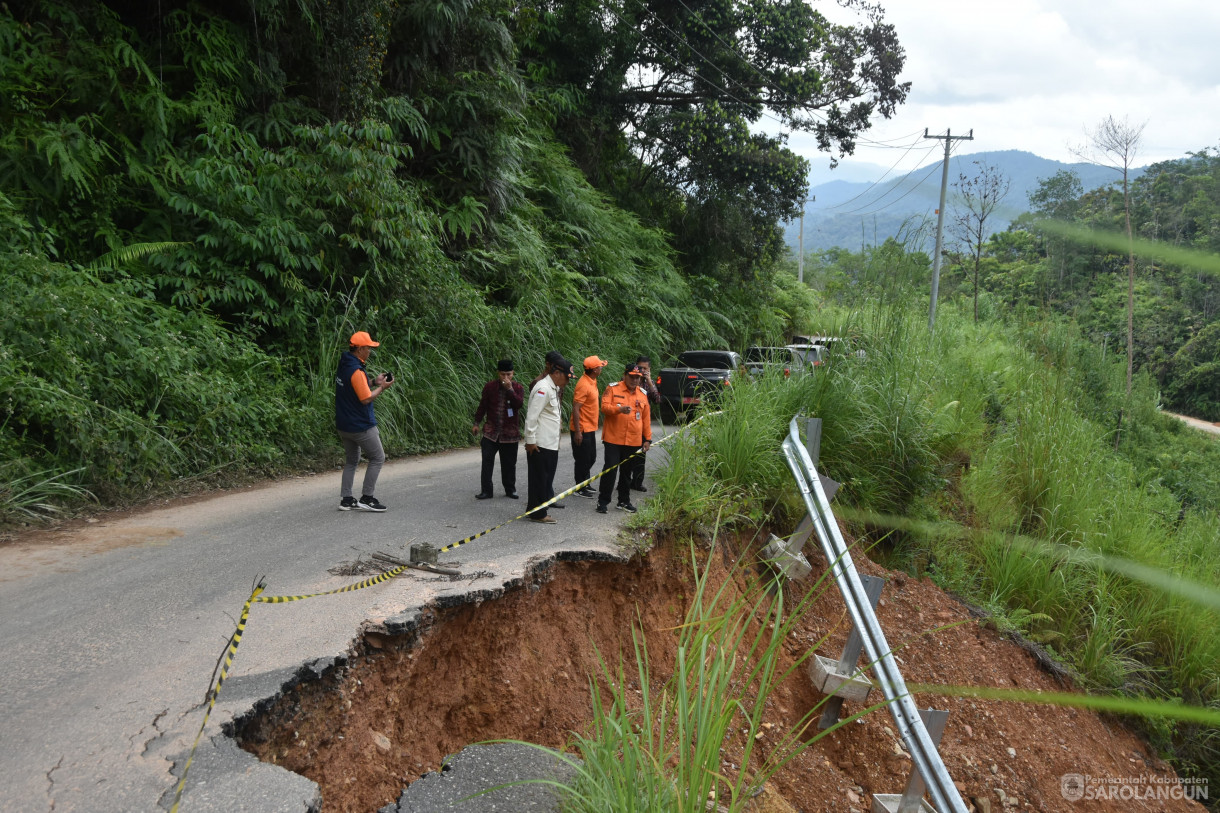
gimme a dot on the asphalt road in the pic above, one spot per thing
(111, 630)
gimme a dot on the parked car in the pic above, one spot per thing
(786, 359)
(698, 378)
(811, 355)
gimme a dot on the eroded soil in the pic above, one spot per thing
(519, 668)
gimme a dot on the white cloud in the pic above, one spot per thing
(1033, 74)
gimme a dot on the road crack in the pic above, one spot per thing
(51, 782)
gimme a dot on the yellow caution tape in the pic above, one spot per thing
(213, 693)
(257, 597)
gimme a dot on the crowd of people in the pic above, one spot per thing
(507, 416)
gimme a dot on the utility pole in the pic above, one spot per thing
(940, 217)
(800, 242)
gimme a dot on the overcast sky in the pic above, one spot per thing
(1032, 74)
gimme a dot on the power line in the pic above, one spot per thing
(910, 147)
(897, 184)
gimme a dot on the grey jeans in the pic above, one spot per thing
(353, 443)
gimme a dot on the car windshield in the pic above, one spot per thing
(698, 360)
(768, 355)
(812, 354)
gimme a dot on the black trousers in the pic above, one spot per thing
(541, 464)
(508, 465)
(615, 454)
(585, 455)
(636, 469)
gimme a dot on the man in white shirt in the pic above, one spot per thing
(542, 421)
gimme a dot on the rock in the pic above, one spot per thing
(382, 742)
(995, 768)
(999, 792)
(853, 797)
(981, 803)
(1012, 752)
(769, 801)
(969, 731)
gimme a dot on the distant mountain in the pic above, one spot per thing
(851, 214)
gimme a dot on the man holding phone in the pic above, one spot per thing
(500, 406)
(356, 423)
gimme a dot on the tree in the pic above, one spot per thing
(1114, 144)
(667, 91)
(1057, 198)
(980, 195)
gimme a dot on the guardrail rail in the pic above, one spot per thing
(940, 788)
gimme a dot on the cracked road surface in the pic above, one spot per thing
(111, 630)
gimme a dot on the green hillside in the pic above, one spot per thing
(199, 204)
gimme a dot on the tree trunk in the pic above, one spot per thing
(1130, 285)
(976, 289)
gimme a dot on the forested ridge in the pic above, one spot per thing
(199, 203)
(1046, 262)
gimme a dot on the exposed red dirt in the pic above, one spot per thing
(519, 668)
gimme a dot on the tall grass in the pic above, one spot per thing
(1015, 433)
(665, 749)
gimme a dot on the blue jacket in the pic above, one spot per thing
(350, 414)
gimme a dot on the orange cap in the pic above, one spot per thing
(594, 361)
(361, 338)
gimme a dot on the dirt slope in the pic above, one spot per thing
(518, 668)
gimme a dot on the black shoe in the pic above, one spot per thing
(347, 503)
(626, 506)
(586, 492)
(512, 495)
(557, 505)
(483, 495)
(368, 503)
(601, 508)
(638, 488)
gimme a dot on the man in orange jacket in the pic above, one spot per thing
(583, 425)
(627, 430)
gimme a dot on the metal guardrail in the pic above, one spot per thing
(931, 767)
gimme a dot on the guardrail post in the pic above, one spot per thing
(813, 438)
(841, 679)
(911, 800)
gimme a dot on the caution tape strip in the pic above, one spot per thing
(214, 692)
(257, 597)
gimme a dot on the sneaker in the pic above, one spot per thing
(638, 488)
(347, 503)
(547, 520)
(626, 506)
(601, 508)
(368, 503)
(586, 492)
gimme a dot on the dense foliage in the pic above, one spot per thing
(1056, 259)
(994, 456)
(199, 203)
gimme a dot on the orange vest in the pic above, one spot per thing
(632, 428)
(584, 405)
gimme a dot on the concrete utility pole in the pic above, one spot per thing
(800, 242)
(940, 217)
